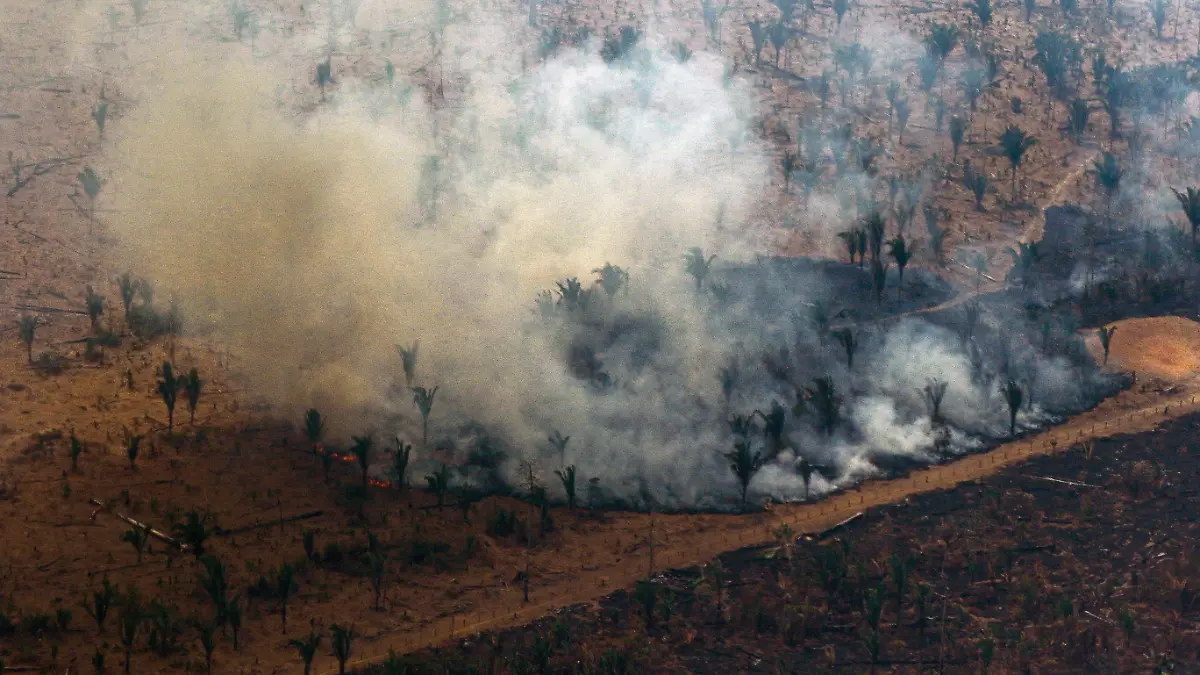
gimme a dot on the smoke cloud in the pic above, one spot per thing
(314, 246)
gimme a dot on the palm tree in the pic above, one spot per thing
(977, 182)
(744, 464)
(100, 115)
(423, 399)
(343, 640)
(400, 459)
(878, 278)
(76, 451)
(957, 129)
(191, 387)
(362, 451)
(1014, 143)
(1106, 334)
(192, 532)
(787, 10)
(983, 11)
(840, 7)
(892, 92)
(850, 239)
(133, 445)
(145, 290)
(439, 483)
(214, 580)
(567, 476)
(1025, 259)
(933, 393)
(324, 75)
(612, 279)
(788, 164)
(378, 560)
(314, 428)
(806, 469)
(1158, 11)
(307, 649)
(130, 622)
(681, 52)
(773, 423)
(874, 225)
(741, 425)
(137, 538)
(27, 326)
(207, 632)
(95, 306)
(92, 183)
(849, 342)
(559, 443)
(1013, 396)
(697, 265)
(408, 357)
(285, 584)
(941, 40)
(168, 390)
(1077, 119)
(821, 317)
(572, 294)
(100, 602)
(234, 613)
(825, 400)
(1108, 177)
(758, 35)
(779, 35)
(1189, 201)
(903, 111)
(937, 235)
(901, 253)
(971, 314)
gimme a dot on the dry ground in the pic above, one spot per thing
(247, 468)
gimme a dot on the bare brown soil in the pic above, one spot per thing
(1166, 347)
(248, 469)
(1077, 562)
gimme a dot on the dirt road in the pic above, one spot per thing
(1128, 413)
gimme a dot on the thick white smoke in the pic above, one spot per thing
(314, 247)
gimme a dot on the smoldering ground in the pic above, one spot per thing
(314, 248)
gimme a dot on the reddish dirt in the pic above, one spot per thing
(1076, 562)
(246, 467)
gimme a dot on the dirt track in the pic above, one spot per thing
(1112, 418)
(697, 548)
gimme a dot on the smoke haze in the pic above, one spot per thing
(314, 246)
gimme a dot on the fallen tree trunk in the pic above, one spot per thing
(33, 308)
(1063, 482)
(830, 530)
(269, 523)
(161, 536)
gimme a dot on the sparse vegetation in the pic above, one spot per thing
(619, 165)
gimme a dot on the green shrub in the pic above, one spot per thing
(50, 364)
(37, 625)
(332, 555)
(503, 524)
(146, 323)
(422, 551)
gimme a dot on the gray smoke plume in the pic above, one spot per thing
(314, 246)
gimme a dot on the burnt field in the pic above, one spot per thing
(1079, 562)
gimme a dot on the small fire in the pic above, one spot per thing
(440, 453)
(370, 481)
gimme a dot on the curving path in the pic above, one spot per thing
(685, 549)
(720, 534)
(1033, 233)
